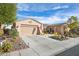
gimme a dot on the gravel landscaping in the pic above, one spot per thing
(17, 44)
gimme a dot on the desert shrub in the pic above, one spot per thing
(1, 32)
(6, 46)
(13, 33)
(60, 38)
(6, 31)
(57, 34)
(74, 32)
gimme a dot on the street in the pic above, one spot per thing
(74, 51)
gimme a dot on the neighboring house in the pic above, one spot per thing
(60, 28)
(29, 26)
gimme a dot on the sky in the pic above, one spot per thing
(48, 13)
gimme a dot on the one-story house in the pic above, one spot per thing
(33, 27)
(29, 27)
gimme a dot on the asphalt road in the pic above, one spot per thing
(74, 51)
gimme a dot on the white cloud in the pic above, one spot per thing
(19, 15)
(59, 7)
(72, 14)
(22, 7)
(39, 7)
(68, 14)
(54, 20)
(33, 7)
(46, 20)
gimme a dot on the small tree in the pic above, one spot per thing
(73, 25)
(74, 18)
(74, 22)
(7, 13)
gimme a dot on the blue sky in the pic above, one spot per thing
(49, 13)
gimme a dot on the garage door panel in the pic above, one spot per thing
(27, 30)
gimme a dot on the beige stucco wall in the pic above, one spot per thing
(27, 30)
(28, 22)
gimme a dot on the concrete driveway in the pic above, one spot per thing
(43, 46)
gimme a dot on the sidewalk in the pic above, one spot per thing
(43, 46)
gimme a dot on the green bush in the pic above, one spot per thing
(6, 31)
(1, 32)
(6, 46)
(13, 33)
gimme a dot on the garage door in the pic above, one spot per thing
(28, 30)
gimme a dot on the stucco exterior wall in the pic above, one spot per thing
(29, 25)
(57, 28)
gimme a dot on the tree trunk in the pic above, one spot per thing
(0, 25)
(14, 25)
